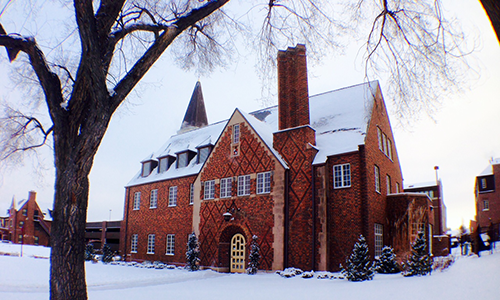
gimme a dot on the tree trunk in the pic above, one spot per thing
(67, 264)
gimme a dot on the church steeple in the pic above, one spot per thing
(196, 116)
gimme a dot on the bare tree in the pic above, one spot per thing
(119, 41)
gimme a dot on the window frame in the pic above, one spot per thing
(191, 194)
(200, 150)
(226, 187)
(151, 244)
(264, 182)
(137, 201)
(182, 160)
(236, 133)
(486, 205)
(388, 184)
(170, 245)
(342, 175)
(172, 196)
(153, 199)
(377, 179)
(134, 242)
(379, 239)
(244, 185)
(209, 190)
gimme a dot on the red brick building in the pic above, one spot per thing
(488, 199)
(26, 224)
(307, 177)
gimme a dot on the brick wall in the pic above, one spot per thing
(160, 221)
(251, 214)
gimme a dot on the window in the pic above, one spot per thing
(133, 243)
(21, 224)
(25, 212)
(225, 187)
(170, 244)
(203, 154)
(397, 187)
(172, 196)
(341, 176)
(137, 200)
(191, 193)
(146, 168)
(264, 183)
(20, 238)
(153, 199)
(388, 181)
(389, 148)
(243, 185)
(163, 165)
(379, 134)
(182, 161)
(483, 183)
(151, 244)
(384, 143)
(209, 189)
(37, 240)
(486, 205)
(377, 179)
(379, 239)
(236, 133)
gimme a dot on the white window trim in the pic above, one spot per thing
(172, 196)
(486, 205)
(209, 192)
(379, 236)
(226, 187)
(153, 199)
(264, 183)
(170, 247)
(244, 185)
(388, 184)
(137, 201)
(151, 244)
(191, 194)
(236, 133)
(344, 183)
(377, 179)
(134, 241)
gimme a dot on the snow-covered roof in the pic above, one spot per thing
(489, 169)
(340, 119)
(190, 140)
(420, 185)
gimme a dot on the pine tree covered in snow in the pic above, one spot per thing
(107, 254)
(420, 262)
(358, 267)
(89, 252)
(254, 258)
(386, 262)
(192, 253)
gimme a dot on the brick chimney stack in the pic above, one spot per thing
(293, 92)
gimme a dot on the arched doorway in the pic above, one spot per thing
(238, 249)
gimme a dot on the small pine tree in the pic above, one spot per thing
(386, 263)
(254, 258)
(192, 253)
(89, 252)
(107, 254)
(358, 266)
(420, 262)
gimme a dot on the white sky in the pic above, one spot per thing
(461, 140)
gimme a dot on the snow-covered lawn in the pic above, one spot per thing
(28, 278)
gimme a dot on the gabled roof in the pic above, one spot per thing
(340, 119)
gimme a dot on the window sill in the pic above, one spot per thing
(170, 254)
(133, 251)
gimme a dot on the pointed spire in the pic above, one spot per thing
(196, 116)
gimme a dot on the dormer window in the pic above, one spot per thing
(147, 167)
(182, 162)
(203, 154)
(165, 163)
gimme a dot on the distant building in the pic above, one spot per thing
(26, 223)
(106, 232)
(307, 177)
(487, 192)
(435, 192)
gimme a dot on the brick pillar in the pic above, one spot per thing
(293, 93)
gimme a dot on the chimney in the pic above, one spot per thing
(293, 93)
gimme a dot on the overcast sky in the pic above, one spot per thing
(460, 140)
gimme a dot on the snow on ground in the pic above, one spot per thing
(27, 277)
